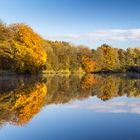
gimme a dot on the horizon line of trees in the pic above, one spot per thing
(24, 51)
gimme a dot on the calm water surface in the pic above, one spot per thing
(99, 107)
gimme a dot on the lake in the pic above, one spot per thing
(70, 107)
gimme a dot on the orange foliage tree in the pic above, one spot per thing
(86, 59)
(29, 55)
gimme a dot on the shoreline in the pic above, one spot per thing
(9, 72)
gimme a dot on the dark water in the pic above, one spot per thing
(99, 107)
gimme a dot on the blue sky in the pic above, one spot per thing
(89, 22)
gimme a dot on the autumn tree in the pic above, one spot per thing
(74, 61)
(5, 33)
(109, 58)
(29, 55)
(122, 59)
(130, 58)
(6, 51)
(137, 58)
(52, 58)
(86, 60)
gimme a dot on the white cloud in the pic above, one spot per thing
(109, 107)
(101, 35)
(116, 107)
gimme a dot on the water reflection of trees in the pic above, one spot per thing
(105, 87)
(23, 97)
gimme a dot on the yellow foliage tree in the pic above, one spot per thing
(29, 55)
(88, 64)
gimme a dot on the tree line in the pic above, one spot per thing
(24, 51)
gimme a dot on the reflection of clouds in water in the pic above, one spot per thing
(110, 107)
(73, 106)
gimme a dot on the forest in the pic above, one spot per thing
(24, 51)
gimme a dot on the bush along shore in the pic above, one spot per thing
(24, 51)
